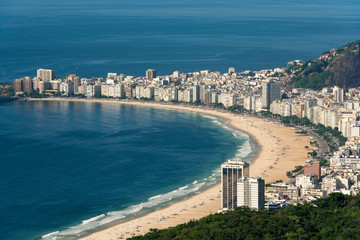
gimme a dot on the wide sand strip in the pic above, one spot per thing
(281, 150)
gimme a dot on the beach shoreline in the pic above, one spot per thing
(280, 150)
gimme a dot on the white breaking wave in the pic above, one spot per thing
(49, 235)
(154, 197)
(93, 219)
(219, 123)
(245, 148)
(184, 187)
(109, 217)
(209, 116)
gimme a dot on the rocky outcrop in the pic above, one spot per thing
(345, 70)
(338, 67)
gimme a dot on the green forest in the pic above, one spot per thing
(336, 217)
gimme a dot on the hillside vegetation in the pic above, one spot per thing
(336, 217)
(340, 67)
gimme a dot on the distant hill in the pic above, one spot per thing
(336, 217)
(340, 67)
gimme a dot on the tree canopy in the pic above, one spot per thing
(336, 217)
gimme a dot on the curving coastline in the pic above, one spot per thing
(280, 151)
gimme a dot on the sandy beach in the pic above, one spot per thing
(281, 150)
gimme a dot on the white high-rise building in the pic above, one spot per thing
(188, 95)
(227, 99)
(45, 74)
(105, 90)
(338, 94)
(119, 90)
(214, 98)
(251, 192)
(196, 93)
(67, 87)
(92, 90)
(231, 172)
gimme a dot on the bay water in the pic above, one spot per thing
(68, 167)
(94, 37)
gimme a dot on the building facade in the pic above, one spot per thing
(251, 192)
(231, 172)
(45, 74)
(150, 74)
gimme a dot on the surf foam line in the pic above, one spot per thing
(244, 152)
(165, 198)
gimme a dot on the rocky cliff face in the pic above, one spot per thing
(338, 67)
(345, 70)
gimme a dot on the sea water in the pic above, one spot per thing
(68, 167)
(94, 37)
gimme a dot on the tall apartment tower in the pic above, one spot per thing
(36, 83)
(270, 92)
(231, 172)
(76, 80)
(28, 85)
(23, 85)
(251, 192)
(150, 74)
(18, 85)
(196, 93)
(45, 74)
(338, 94)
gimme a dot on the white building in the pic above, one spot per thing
(227, 99)
(307, 181)
(338, 94)
(91, 90)
(188, 95)
(214, 98)
(67, 87)
(105, 90)
(251, 192)
(45, 74)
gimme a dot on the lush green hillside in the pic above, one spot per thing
(337, 217)
(340, 67)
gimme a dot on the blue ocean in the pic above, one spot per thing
(71, 167)
(68, 167)
(94, 37)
